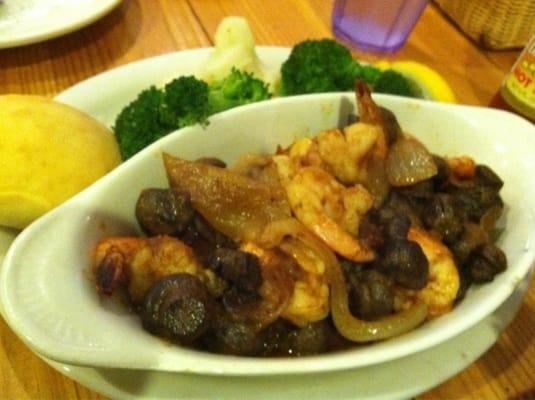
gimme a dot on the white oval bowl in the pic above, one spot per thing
(50, 302)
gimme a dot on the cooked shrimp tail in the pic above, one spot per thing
(111, 269)
(368, 110)
(111, 272)
(136, 263)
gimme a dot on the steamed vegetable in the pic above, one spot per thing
(234, 47)
(314, 66)
(393, 82)
(236, 89)
(425, 79)
(317, 66)
(183, 102)
(139, 123)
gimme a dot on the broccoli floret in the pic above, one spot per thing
(157, 112)
(185, 102)
(236, 89)
(393, 82)
(368, 73)
(139, 123)
(317, 66)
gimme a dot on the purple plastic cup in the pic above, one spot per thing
(375, 25)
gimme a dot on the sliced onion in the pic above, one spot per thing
(348, 326)
(360, 331)
(409, 162)
(234, 204)
(275, 292)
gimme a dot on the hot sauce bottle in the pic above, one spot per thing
(517, 92)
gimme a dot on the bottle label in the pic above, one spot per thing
(521, 81)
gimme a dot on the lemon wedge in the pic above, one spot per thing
(429, 81)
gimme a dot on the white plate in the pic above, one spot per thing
(29, 21)
(49, 300)
(388, 379)
(397, 379)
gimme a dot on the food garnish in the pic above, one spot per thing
(334, 241)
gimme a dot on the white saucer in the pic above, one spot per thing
(29, 21)
(399, 379)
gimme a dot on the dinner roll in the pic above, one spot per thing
(48, 152)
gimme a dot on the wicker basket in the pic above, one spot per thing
(494, 24)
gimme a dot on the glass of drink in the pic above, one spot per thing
(375, 25)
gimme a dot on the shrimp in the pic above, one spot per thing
(309, 301)
(310, 298)
(369, 114)
(443, 283)
(346, 152)
(137, 263)
(305, 152)
(299, 294)
(277, 284)
(326, 207)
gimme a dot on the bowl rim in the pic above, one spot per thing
(234, 365)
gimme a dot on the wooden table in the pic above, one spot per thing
(144, 28)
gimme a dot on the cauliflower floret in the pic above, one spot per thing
(235, 47)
